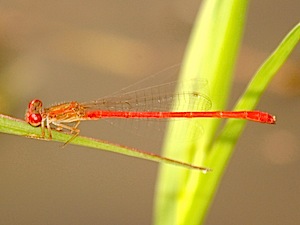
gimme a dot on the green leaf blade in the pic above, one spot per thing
(211, 56)
(15, 126)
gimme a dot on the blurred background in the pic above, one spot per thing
(73, 50)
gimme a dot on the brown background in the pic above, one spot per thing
(81, 50)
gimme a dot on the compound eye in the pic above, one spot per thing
(34, 119)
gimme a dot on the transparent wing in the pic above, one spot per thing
(157, 98)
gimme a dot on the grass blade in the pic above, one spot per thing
(184, 197)
(15, 126)
(211, 55)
